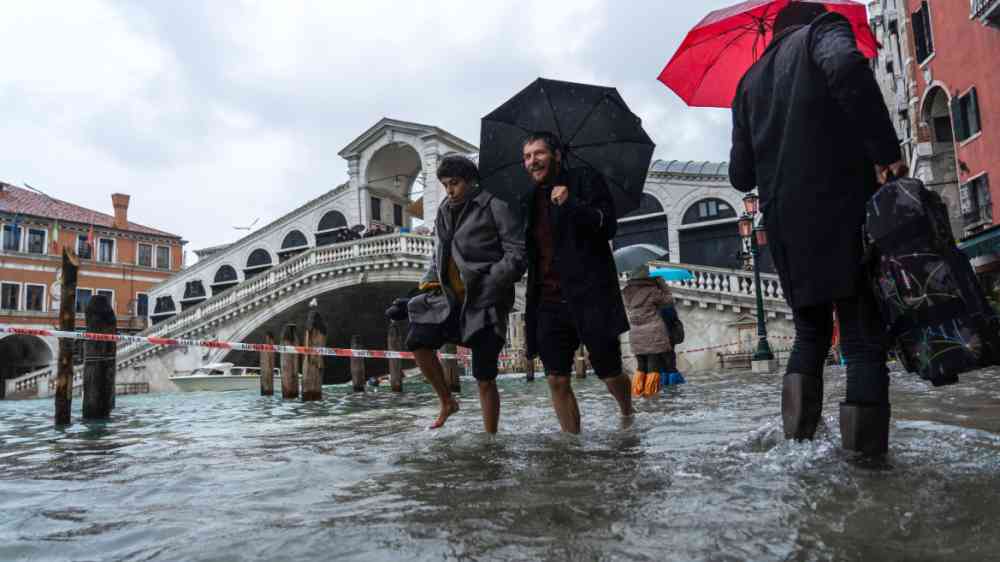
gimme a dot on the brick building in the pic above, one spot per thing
(119, 259)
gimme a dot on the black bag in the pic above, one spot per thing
(675, 328)
(932, 307)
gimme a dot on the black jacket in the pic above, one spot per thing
(809, 123)
(581, 230)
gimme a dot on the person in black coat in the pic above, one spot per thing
(812, 132)
(573, 295)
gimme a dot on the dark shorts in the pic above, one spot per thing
(558, 340)
(485, 345)
(657, 362)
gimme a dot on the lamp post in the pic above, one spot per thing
(756, 237)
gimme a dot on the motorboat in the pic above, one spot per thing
(220, 377)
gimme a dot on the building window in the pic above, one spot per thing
(145, 258)
(36, 241)
(109, 294)
(34, 298)
(83, 299)
(11, 238)
(965, 115)
(141, 305)
(376, 209)
(106, 250)
(10, 295)
(163, 257)
(975, 200)
(709, 210)
(397, 215)
(83, 247)
(923, 37)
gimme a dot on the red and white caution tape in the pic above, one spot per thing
(215, 344)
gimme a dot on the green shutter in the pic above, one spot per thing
(974, 125)
(957, 119)
(919, 33)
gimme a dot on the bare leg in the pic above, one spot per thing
(620, 388)
(564, 402)
(430, 366)
(489, 399)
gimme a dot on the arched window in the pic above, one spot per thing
(645, 225)
(709, 210)
(194, 293)
(259, 260)
(331, 229)
(163, 310)
(294, 243)
(225, 277)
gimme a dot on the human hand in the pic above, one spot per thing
(897, 169)
(560, 194)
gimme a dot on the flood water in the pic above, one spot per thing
(702, 474)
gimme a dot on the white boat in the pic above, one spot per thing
(220, 377)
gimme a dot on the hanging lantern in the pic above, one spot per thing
(761, 233)
(750, 202)
(746, 226)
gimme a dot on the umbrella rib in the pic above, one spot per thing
(592, 167)
(593, 108)
(554, 115)
(713, 63)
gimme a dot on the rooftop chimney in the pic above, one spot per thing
(120, 201)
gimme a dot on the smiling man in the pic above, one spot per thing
(573, 293)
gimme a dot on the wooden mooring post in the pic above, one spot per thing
(451, 368)
(267, 368)
(394, 343)
(67, 323)
(289, 365)
(312, 370)
(99, 361)
(358, 372)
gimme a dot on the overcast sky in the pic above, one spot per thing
(212, 114)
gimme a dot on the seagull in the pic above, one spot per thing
(247, 227)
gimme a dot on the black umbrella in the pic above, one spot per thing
(596, 128)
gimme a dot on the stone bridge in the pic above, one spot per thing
(353, 282)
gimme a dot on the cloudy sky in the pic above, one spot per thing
(212, 114)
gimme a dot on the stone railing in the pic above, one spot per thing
(718, 281)
(979, 8)
(357, 251)
(42, 378)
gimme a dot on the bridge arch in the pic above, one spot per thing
(293, 242)
(258, 261)
(709, 233)
(225, 276)
(330, 227)
(21, 354)
(646, 225)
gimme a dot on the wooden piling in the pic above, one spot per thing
(312, 370)
(99, 361)
(358, 373)
(451, 368)
(394, 343)
(267, 368)
(580, 363)
(289, 365)
(67, 323)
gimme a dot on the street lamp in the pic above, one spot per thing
(757, 238)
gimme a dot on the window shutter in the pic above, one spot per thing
(973, 114)
(965, 198)
(957, 120)
(918, 36)
(925, 12)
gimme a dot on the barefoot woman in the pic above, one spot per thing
(469, 289)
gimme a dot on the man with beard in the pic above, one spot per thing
(572, 294)
(810, 129)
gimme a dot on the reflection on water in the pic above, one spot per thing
(702, 474)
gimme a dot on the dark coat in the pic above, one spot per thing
(487, 244)
(581, 229)
(809, 123)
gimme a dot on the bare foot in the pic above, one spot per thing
(446, 410)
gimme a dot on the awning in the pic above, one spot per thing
(985, 243)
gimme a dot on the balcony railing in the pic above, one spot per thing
(986, 10)
(976, 217)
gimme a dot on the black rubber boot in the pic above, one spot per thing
(801, 405)
(864, 428)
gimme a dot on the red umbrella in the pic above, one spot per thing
(710, 62)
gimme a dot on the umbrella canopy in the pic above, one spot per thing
(594, 125)
(715, 55)
(672, 274)
(631, 258)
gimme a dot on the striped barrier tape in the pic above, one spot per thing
(266, 347)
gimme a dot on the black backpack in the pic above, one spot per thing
(674, 325)
(932, 306)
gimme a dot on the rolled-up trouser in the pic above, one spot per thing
(862, 342)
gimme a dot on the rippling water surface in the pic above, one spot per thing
(703, 473)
